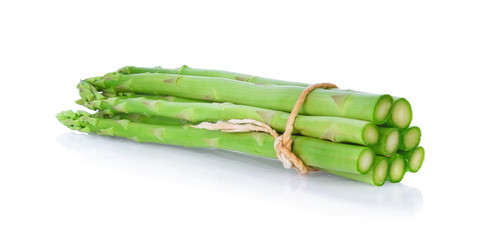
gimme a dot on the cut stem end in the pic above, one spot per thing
(365, 161)
(416, 160)
(392, 142)
(370, 134)
(382, 109)
(411, 138)
(380, 172)
(401, 113)
(397, 168)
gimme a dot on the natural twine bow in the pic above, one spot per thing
(282, 144)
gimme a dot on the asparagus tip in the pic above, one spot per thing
(72, 119)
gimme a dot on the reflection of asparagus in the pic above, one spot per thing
(320, 102)
(400, 117)
(314, 152)
(331, 128)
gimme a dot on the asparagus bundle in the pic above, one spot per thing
(357, 135)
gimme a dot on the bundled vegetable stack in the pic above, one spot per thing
(357, 135)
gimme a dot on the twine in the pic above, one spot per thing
(282, 144)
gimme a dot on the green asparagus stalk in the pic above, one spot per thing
(313, 152)
(335, 129)
(400, 117)
(375, 176)
(414, 158)
(401, 114)
(152, 97)
(320, 102)
(410, 139)
(185, 70)
(388, 142)
(142, 118)
(397, 168)
(89, 93)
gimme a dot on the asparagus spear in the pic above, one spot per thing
(185, 70)
(335, 129)
(388, 142)
(168, 98)
(313, 152)
(414, 158)
(400, 117)
(410, 138)
(375, 176)
(320, 102)
(397, 168)
(141, 118)
(401, 112)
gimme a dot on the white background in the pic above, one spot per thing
(59, 184)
